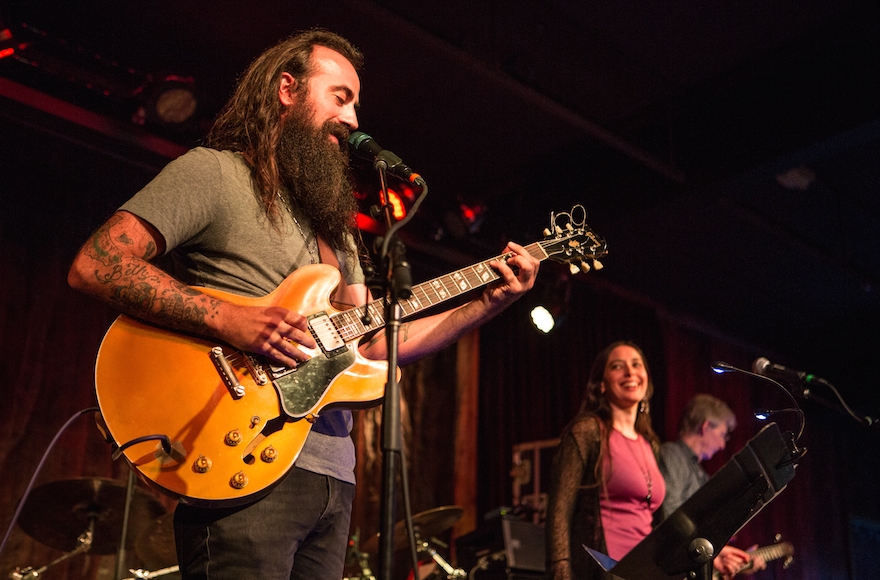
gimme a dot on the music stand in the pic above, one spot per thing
(685, 543)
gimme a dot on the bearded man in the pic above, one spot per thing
(269, 193)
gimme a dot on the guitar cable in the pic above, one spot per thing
(37, 471)
(163, 440)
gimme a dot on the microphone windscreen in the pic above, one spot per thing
(760, 365)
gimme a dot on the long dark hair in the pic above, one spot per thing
(596, 403)
(250, 122)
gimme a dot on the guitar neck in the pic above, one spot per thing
(774, 552)
(350, 323)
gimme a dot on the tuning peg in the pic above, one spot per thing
(585, 267)
(558, 231)
(568, 227)
(547, 233)
(598, 265)
(573, 268)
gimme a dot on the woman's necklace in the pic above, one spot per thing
(310, 246)
(643, 466)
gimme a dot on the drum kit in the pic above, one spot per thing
(426, 526)
(87, 515)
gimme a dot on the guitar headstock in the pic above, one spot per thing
(570, 240)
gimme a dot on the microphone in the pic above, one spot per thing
(365, 147)
(764, 367)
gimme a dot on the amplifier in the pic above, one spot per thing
(502, 543)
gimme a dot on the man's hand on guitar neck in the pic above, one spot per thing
(732, 561)
(517, 276)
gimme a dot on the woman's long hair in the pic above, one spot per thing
(250, 122)
(596, 402)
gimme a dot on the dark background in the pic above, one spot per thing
(728, 153)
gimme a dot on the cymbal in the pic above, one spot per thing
(426, 524)
(58, 512)
(155, 546)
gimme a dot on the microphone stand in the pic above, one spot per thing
(396, 285)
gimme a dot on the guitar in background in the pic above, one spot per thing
(768, 554)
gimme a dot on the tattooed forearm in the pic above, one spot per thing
(139, 296)
(142, 289)
(114, 265)
(184, 310)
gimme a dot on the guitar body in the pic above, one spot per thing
(227, 450)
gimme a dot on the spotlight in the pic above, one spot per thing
(552, 307)
(543, 319)
(171, 102)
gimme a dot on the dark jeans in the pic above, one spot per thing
(298, 531)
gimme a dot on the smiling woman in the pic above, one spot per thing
(605, 484)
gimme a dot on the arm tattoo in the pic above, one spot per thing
(140, 289)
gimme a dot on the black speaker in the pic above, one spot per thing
(502, 544)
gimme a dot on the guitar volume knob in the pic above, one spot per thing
(269, 454)
(202, 464)
(233, 438)
(239, 480)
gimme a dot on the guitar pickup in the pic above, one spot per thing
(326, 335)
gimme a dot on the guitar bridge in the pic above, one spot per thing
(236, 389)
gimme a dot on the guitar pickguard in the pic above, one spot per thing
(302, 389)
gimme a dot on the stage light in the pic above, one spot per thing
(398, 209)
(465, 219)
(7, 41)
(553, 305)
(171, 101)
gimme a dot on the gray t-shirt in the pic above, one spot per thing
(217, 235)
(683, 474)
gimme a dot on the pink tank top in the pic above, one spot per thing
(635, 490)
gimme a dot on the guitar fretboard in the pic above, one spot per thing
(775, 551)
(350, 323)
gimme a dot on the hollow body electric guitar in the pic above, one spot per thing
(213, 426)
(768, 553)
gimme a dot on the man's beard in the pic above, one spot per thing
(316, 174)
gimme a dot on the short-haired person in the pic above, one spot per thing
(703, 430)
(268, 194)
(605, 484)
